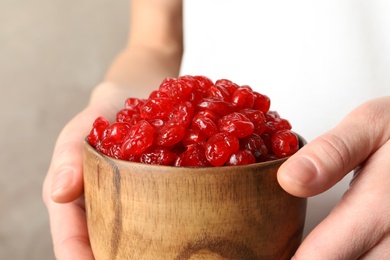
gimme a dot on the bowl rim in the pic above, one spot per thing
(301, 140)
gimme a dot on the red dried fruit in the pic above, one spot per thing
(255, 144)
(138, 139)
(157, 94)
(236, 124)
(243, 98)
(182, 114)
(196, 96)
(114, 134)
(134, 158)
(128, 116)
(156, 123)
(193, 156)
(169, 134)
(220, 107)
(192, 136)
(284, 143)
(220, 147)
(190, 121)
(267, 141)
(203, 82)
(210, 114)
(176, 89)
(257, 118)
(218, 92)
(134, 104)
(261, 102)
(96, 133)
(158, 155)
(241, 157)
(275, 123)
(112, 140)
(165, 85)
(156, 108)
(204, 124)
(230, 86)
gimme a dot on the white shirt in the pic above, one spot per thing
(316, 60)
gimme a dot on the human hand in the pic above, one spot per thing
(63, 185)
(359, 226)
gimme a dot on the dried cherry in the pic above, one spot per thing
(192, 121)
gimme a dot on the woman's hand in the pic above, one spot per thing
(359, 226)
(63, 186)
(153, 52)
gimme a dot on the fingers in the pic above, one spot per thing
(63, 185)
(65, 173)
(69, 231)
(326, 160)
(359, 225)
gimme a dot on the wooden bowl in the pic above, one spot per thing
(141, 211)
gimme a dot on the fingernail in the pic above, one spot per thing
(300, 170)
(61, 181)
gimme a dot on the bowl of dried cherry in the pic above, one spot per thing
(190, 173)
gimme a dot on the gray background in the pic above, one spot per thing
(52, 53)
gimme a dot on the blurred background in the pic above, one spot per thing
(52, 53)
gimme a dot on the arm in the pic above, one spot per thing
(153, 52)
(155, 45)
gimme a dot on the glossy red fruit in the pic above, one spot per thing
(210, 114)
(243, 98)
(284, 143)
(190, 121)
(196, 96)
(96, 133)
(229, 85)
(134, 104)
(255, 144)
(192, 136)
(257, 118)
(204, 82)
(128, 116)
(157, 94)
(218, 92)
(204, 124)
(156, 123)
(220, 107)
(275, 123)
(182, 114)
(266, 137)
(241, 157)
(158, 155)
(112, 139)
(236, 124)
(114, 134)
(138, 139)
(220, 147)
(261, 102)
(177, 90)
(193, 156)
(156, 108)
(169, 134)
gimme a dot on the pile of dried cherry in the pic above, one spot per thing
(192, 121)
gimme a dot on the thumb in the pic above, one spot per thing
(326, 160)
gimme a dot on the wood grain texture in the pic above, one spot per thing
(140, 211)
